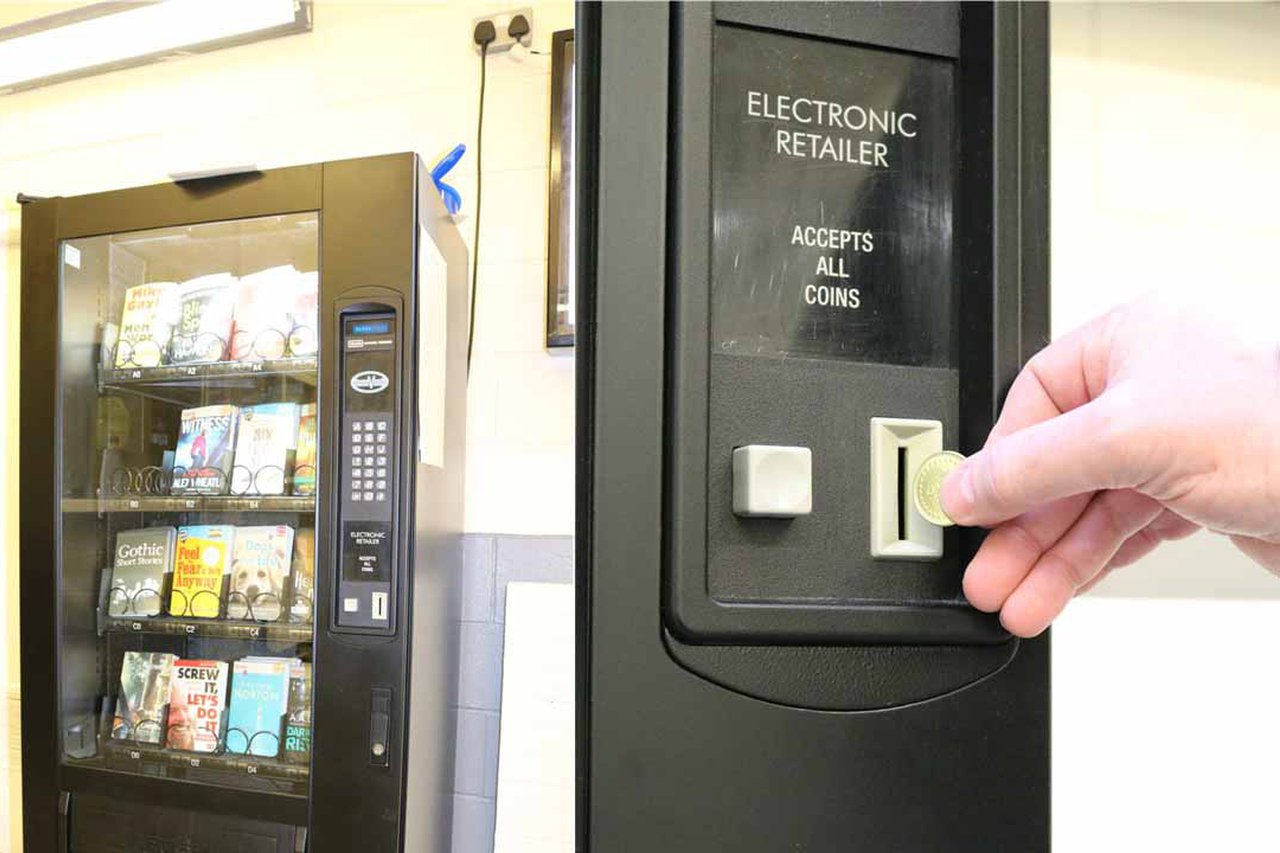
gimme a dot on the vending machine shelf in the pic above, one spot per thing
(167, 503)
(215, 628)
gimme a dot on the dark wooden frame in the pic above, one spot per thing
(558, 334)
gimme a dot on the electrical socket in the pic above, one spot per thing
(501, 21)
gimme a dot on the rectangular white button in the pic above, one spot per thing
(772, 481)
(351, 605)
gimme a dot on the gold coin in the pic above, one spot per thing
(926, 491)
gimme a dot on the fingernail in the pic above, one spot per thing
(957, 493)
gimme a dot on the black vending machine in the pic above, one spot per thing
(242, 432)
(812, 252)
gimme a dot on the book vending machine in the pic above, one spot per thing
(242, 432)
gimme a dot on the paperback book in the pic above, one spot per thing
(259, 699)
(142, 563)
(297, 723)
(303, 576)
(197, 700)
(206, 309)
(202, 562)
(266, 439)
(262, 321)
(304, 469)
(260, 572)
(206, 448)
(144, 696)
(146, 323)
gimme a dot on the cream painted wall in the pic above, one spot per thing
(372, 78)
(1166, 124)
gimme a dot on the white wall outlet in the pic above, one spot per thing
(502, 25)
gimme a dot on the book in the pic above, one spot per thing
(259, 699)
(146, 323)
(297, 721)
(262, 319)
(141, 565)
(205, 312)
(304, 467)
(144, 696)
(202, 560)
(303, 576)
(203, 457)
(197, 700)
(266, 439)
(304, 315)
(260, 572)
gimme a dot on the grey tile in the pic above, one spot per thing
(546, 559)
(473, 821)
(478, 562)
(476, 771)
(480, 675)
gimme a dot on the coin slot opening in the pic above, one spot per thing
(903, 493)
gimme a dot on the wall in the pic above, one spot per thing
(373, 77)
(1166, 120)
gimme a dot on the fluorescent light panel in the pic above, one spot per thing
(134, 35)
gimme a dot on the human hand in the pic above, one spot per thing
(1146, 424)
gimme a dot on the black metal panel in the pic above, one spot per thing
(709, 751)
(919, 27)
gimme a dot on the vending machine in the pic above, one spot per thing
(242, 433)
(813, 252)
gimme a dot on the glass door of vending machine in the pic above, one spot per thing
(181, 564)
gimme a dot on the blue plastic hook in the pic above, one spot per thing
(452, 199)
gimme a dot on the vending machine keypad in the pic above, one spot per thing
(366, 552)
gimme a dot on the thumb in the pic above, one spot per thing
(1084, 450)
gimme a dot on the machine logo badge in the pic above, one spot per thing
(369, 382)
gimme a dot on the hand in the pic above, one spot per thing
(1147, 424)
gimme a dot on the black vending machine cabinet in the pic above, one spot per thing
(242, 427)
(812, 252)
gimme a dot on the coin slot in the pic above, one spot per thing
(897, 530)
(903, 493)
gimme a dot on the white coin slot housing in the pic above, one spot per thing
(771, 481)
(898, 447)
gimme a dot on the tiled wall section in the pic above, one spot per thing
(491, 562)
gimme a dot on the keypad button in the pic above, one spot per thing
(382, 448)
(355, 496)
(382, 484)
(382, 472)
(382, 425)
(368, 460)
(355, 427)
(382, 460)
(382, 436)
(382, 496)
(368, 496)
(357, 472)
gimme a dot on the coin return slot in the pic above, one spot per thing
(898, 447)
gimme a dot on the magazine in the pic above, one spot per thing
(144, 696)
(196, 702)
(146, 322)
(203, 560)
(266, 439)
(206, 442)
(301, 598)
(260, 572)
(259, 699)
(143, 561)
(203, 330)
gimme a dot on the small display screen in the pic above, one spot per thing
(370, 328)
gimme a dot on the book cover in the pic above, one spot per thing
(266, 439)
(197, 700)
(259, 699)
(203, 330)
(262, 318)
(206, 448)
(304, 468)
(260, 572)
(141, 565)
(203, 558)
(146, 323)
(144, 697)
(303, 318)
(303, 575)
(297, 722)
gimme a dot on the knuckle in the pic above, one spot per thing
(1057, 563)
